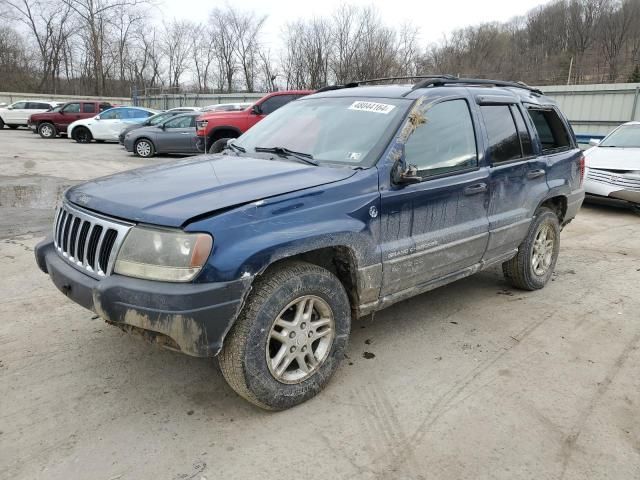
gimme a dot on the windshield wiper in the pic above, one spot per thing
(303, 157)
(232, 146)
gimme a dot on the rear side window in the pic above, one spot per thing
(38, 106)
(445, 142)
(504, 142)
(523, 132)
(551, 130)
(89, 107)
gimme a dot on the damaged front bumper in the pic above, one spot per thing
(190, 317)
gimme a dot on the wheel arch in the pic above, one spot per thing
(557, 203)
(223, 131)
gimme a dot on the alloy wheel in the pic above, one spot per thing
(542, 254)
(143, 148)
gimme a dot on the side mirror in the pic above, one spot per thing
(98, 117)
(594, 142)
(256, 110)
(10, 107)
(403, 174)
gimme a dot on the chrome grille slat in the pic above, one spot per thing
(79, 237)
(621, 180)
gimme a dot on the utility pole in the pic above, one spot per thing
(570, 68)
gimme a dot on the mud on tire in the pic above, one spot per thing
(524, 271)
(244, 359)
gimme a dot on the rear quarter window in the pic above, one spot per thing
(552, 132)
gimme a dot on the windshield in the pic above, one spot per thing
(159, 118)
(347, 131)
(627, 136)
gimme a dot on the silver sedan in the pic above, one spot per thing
(175, 135)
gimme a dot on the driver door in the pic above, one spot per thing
(69, 113)
(18, 114)
(439, 227)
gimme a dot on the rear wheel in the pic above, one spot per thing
(13, 127)
(82, 135)
(144, 148)
(537, 255)
(1, 124)
(289, 338)
(218, 145)
(47, 130)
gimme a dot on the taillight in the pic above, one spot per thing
(581, 167)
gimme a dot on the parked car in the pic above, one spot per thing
(613, 166)
(335, 206)
(154, 120)
(215, 128)
(226, 107)
(174, 135)
(107, 125)
(55, 122)
(17, 114)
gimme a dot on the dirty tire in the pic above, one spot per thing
(1, 124)
(243, 359)
(100, 141)
(218, 145)
(82, 135)
(144, 148)
(13, 127)
(47, 130)
(519, 271)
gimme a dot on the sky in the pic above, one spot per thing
(434, 18)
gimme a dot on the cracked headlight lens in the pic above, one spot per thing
(171, 256)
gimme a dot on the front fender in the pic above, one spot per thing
(249, 238)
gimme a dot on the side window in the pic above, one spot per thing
(180, 122)
(446, 142)
(88, 108)
(37, 106)
(272, 104)
(71, 108)
(19, 105)
(113, 114)
(551, 131)
(523, 132)
(504, 142)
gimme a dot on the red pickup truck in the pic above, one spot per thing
(54, 123)
(213, 129)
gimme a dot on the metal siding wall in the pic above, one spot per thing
(10, 97)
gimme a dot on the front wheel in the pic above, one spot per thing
(218, 145)
(82, 135)
(47, 130)
(537, 255)
(144, 148)
(289, 338)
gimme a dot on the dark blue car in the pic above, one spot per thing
(335, 206)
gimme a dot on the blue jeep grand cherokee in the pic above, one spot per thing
(335, 206)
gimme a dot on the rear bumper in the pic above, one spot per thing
(574, 202)
(192, 318)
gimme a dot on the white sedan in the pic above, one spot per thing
(107, 126)
(613, 165)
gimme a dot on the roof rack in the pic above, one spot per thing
(448, 80)
(383, 79)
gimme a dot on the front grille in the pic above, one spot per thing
(618, 179)
(88, 241)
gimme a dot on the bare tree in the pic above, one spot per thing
(176, 46)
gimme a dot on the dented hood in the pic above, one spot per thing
(173, 193)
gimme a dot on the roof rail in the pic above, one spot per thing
(440, 81)
(383, 79)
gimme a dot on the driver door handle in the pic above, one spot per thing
(185, 133)
(475, 189)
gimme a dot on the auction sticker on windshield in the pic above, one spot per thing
(372, 107)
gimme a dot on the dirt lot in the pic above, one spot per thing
(474, 380)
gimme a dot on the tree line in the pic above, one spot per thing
(110, 47)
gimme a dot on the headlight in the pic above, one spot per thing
(171, 256)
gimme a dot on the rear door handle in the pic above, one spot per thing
(535, 173)
(475, 189)
(185, 133)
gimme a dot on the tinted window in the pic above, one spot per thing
(89, 107)
(113, 114)
(445, 142)
(551, 131)
(71, 108)
(104, 106)
(272, 104)
(37, 106)
(181, 122)
(20, 105)
(504, 143)
(523, 131)
(159, 118)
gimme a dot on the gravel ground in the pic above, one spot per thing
(473, 380)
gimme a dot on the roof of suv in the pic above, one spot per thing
(452, 85)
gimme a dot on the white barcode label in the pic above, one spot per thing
(372, 107)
